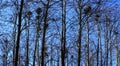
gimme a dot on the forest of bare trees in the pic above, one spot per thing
(59, 33)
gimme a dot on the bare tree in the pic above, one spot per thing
(27, 38)
(45, 26)
(63, 38)
(79, 32)
(18, 34)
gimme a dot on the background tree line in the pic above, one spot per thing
(59, 33)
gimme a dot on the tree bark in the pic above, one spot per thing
(79, 33)
(111, 54)
(36, 40)
(87, 29)
(14, 38)
(98, 29)
(19, 33)
(117, 51)
(44, 33)
(27, 42)
(63, 39)
(106, 42)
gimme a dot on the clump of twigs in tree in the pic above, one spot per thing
(97, 17)
(29, 13)
(38, 10)
(87, 10)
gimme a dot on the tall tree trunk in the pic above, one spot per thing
(58, 58)
(117, 51)
(36, 40)
(106, 42)
(5, 55)
(34, 56)
(117, 56)
(27, 42)
(14, 39)
(63, 40)
(79, 33)
(19, 33)
(51, 58)
(87, 29)
(101, 61)
(98, 29)
(44, 33)
(111, 54)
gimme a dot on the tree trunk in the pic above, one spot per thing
(63, 39)
(106, 43)
(87, 29)
(101, 61)
(19, 33)
(44, 33)
(98, 29)
(51, 58)
(5, 55)
(14, 39)
(117, 51)
(27, 43)
(111, 54)
(36, 40)
(79, 33)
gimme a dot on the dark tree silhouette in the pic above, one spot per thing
(19, 33)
